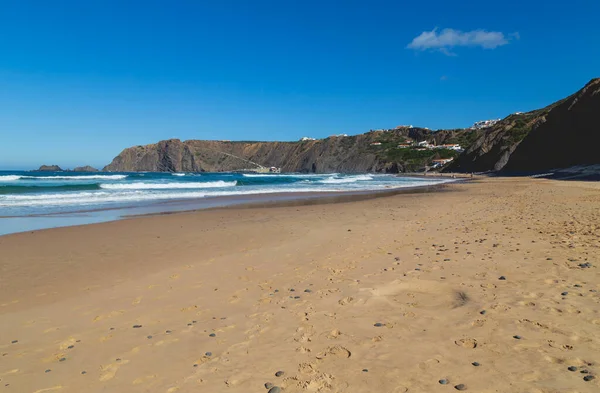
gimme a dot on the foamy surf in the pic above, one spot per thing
(168, 186)
(26, 193)
(76, 177)
(348, 179)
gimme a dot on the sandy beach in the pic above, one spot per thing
(486, 286)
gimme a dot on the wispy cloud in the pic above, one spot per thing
(444, 40)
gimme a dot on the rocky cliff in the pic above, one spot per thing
(370, 152)
(564, 134)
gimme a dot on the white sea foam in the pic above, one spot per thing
(166, 186)
(299, 175)
(9, 177)
(348, 179)
(88, 177)
(94, 198)
(178, 174)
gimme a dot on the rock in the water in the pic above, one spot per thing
(86, 168)
(50, 168)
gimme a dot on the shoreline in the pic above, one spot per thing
(108, 214)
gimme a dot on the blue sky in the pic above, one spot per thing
(81, 80)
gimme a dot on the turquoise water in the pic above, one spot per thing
(77, 197)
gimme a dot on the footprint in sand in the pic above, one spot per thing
(336, 351)
(469, 343)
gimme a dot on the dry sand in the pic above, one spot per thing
(300, 289)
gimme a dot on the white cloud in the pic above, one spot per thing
(446, 39)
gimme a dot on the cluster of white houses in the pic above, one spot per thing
(425, 145)
(478, 125)
(307, 138)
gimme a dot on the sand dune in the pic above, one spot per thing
(488, 286)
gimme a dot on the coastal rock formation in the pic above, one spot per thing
(86, 168)
(369, 152)
(561, 135)
(50, 168)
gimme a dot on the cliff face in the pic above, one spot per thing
(561, 135)
(335, 154)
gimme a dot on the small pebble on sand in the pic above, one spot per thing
(275, 389)
(501, 278)
(212, 335)
(517, 337)
(208, 354)
(482, 312)
(292, 290)
(378, 324)
(149, 337)
(476, 364)
(14, 341)
(47, 371)
(167, 331)
(584, 372)
(268, 385)
(83, 372)
(572, 368)
(588, 378)
(443, 381)
(137, 326)
(564, 293)
(279, 373)
(71, 347)
(62, 359)
(460, 386)
(365, 370)
(307, 291)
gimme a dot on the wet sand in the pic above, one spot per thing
(492, 285)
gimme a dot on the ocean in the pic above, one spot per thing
(35, 200)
